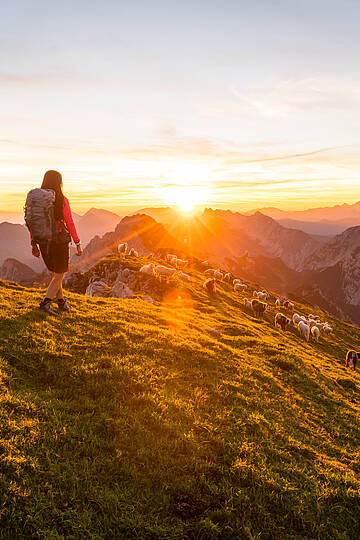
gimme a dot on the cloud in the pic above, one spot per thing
(314, 93)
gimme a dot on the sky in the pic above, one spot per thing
(230, 104)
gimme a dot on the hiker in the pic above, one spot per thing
(49, 220)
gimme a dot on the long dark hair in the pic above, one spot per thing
(53, 180)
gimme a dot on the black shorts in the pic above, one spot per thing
(56, 257)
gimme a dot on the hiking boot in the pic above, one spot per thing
(45, 305)
(63, 305)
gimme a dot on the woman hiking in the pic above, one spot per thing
(51, 235)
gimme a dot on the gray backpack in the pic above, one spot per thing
(40, 216)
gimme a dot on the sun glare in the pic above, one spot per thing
(187, 186)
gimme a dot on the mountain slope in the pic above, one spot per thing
(15, 244)
(96, 222)
(185, 418)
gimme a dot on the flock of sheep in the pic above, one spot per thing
(308, 327)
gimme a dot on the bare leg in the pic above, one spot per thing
(55, 286)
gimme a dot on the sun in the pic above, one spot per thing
(186, 197)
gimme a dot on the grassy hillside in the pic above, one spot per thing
(183, 419)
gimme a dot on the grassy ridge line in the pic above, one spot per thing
(115, 425)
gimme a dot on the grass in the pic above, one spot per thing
(124, 419)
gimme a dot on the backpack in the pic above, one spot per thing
(40, 216)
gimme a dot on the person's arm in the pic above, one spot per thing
(69, 222)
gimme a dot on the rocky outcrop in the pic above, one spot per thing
(141, 233)
(14, 270)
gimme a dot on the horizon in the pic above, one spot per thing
(17, 218)
(241, 114)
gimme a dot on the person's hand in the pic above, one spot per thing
(35, 250)
(79, 250)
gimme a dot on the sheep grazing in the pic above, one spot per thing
(210, 286)
(237, 280)
(240, 287)
(296, 319)
(304, 330)
(262, 295)
(327, 329)
(315, 333)
(133, 253)
(180, 263)
(227, 277)
(210, 272)
(278, 302)
(258, 307)
(122, 249)
(219, 276)
(282, 321)
(351, 359)
(164, 271)
(183, 276)
(247, 304)
(288, 305)
(255, 294)
(148, 269)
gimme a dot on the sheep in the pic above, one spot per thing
(240, 287)
(164, 271)
(219, 276)
(255, 294)
(236, 280)
(227, 277)
(278, 302)
(133, 253)
(183, 276)
(247, 304)
(311, 316)
(210, 286)
(351, 359)
(327, 329)
(258, 307)
(296, 319)
(304, 330)
(315, 333)
(122, 249)
(288, 305)
(262, 295)
(148, 269)
(210, 272)
(282, 321)
(180, 263)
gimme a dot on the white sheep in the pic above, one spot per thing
(315, 333)
(236, 280)
(240, 287)
(247, 304)
(122, 249)
(227, 277)
(210, 272)
(148, 269)
(164, 271)
(183, 276)
(133, 253)
(296, 319)
(278, 302)
(304, 330)
(255, 294)
(327, 329)
(262, 295)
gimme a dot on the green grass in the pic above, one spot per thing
(129, 420)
